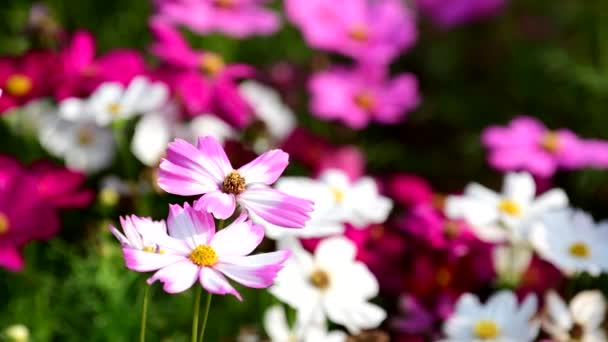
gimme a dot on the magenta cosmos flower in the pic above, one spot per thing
(192, 250)
(60, 187)
(236, 18)
(526, 144)
(202, 81)
(358, 96)
(369, 31)
(450, 13)
(206, 170)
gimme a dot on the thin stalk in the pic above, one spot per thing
(205, 316)
(144, 314)
(197, 307)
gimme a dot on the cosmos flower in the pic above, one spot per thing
(373, 32)
(60, 187)
(136, 229)
(193, 251)
(500, 319)
(201, 80)
(572, 241)
(277, 328)
(451, 13)
(580, 321)
(526, 144)
(206, 170)
(112, 101)
(359, 96)
(495, 217)
(236, 18)
(330, 284)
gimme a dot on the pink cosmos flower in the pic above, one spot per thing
(206, 170)
(24, 216)
(358, 96)
(450, 13)
(368, 31)
(81, 72)
(526, 144)
(192, 250)
(202, 81)
(60, 187)
(409, 190)
(236, 18)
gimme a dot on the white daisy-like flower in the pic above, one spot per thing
(580, 321)
(112, 101)
(497, 217)
(279, 120)
(330, 284)
(572, 241)
(83, 145)
(500, 319)
(278, 330)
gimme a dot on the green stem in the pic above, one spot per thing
(220, 225)
(144, 314)
(205, 315)
(123, 148)
(197, 307)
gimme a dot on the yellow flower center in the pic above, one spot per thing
(4, 224)
(360, 33)
(580, 250)
(443, 277)
(114, 109)
(226, 4)
(234, 183)
(85, 136)
(365, 100)
(149, 249)
(319, 279)
(109, 197)
(203, 255)
(338, 194)
(451, 229)
(486, 329)
(509, 207)
(212, 63)
(550, 142)
(18, 85)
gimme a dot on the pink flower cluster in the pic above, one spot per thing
(188, 247)
(526, 144)
(372, 33)
(30, 200)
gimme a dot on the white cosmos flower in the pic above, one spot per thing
(580, 321)
(571, 241)
(496, 217)
(279, 120)
(112, 101)
(278, 330)
(83, 145)
(500, 319)
(330, 284)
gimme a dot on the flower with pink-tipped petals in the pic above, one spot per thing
(206, 170)
(193, 251)
(526, 144)
(368, 31)
(359, 96)
(236, 18)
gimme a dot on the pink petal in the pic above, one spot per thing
(141, 261)
(213, 152)
(266, 168)
(177, 277)
(259, 260)
(194, 226)
(277, 208)
(214, 282)
(220, 204)
(250, 276)
(240, 238)
(11, 259)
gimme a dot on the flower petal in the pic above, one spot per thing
(177, 277)
(275, 207)
(220, 204)
(141, 261)
(258, 271)
(336, 251)
(216, 160)
(214, 282)
(275, 323)
(196, 227)
(266, 168)
(238, 239)
(588, 309)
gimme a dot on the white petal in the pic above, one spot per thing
(275, 324)
(588, 309)
(519, 187)
(152, 135)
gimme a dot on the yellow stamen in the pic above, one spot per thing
(509, 207)
(234, 183)
(149, 249)
(365, 100)
(85, 136)
(204, 255)
(580, 250)
(319, 279)
(212, 63)
(109, 197)
(486, 330)
(338, 194)
(451, 229)
(226, 4)
(18, 85)
(550, 142)
(359, 33)
(114, 109)
(4, 224)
